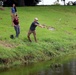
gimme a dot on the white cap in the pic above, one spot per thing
(36, 19)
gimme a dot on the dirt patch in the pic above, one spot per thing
(51, 28)
(0, 18)
(75, 28)
(1, 8)
(48, 27)
(6, 44)
(67, 32)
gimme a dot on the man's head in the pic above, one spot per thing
(13, 5)
(16, 16)
(36, 19)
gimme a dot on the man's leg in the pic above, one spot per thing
(34, 33)
(29, 35)
(18, 30)
(15, 29)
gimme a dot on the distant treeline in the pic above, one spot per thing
(21, 2)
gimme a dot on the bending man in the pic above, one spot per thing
(32, 29)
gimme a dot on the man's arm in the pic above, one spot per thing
(39, 25)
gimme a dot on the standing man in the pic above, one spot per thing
(13, 11)
(32, 29)
(16, 25)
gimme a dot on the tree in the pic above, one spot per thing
(70, 3)
(63, 1)
(57, 0)
(21, 2)
(31, 2)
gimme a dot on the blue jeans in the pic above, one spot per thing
(17, 29)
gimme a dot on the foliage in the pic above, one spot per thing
(63, 1)
(56, 3)
(21, 2)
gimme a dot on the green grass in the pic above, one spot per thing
(60, 41)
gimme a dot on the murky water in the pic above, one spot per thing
(64, 69)
(54, 67)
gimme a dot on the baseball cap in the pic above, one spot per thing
(36, 19)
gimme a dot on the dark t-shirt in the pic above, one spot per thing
(33, 26)
(15, 21)
(15, 9)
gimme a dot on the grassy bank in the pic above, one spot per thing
(51, 43)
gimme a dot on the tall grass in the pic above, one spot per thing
(50, 42)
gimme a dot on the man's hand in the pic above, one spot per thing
(44, 26)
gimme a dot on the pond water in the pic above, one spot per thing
(54, 67)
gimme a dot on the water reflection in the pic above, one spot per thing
(68, 68)
(65, 69)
